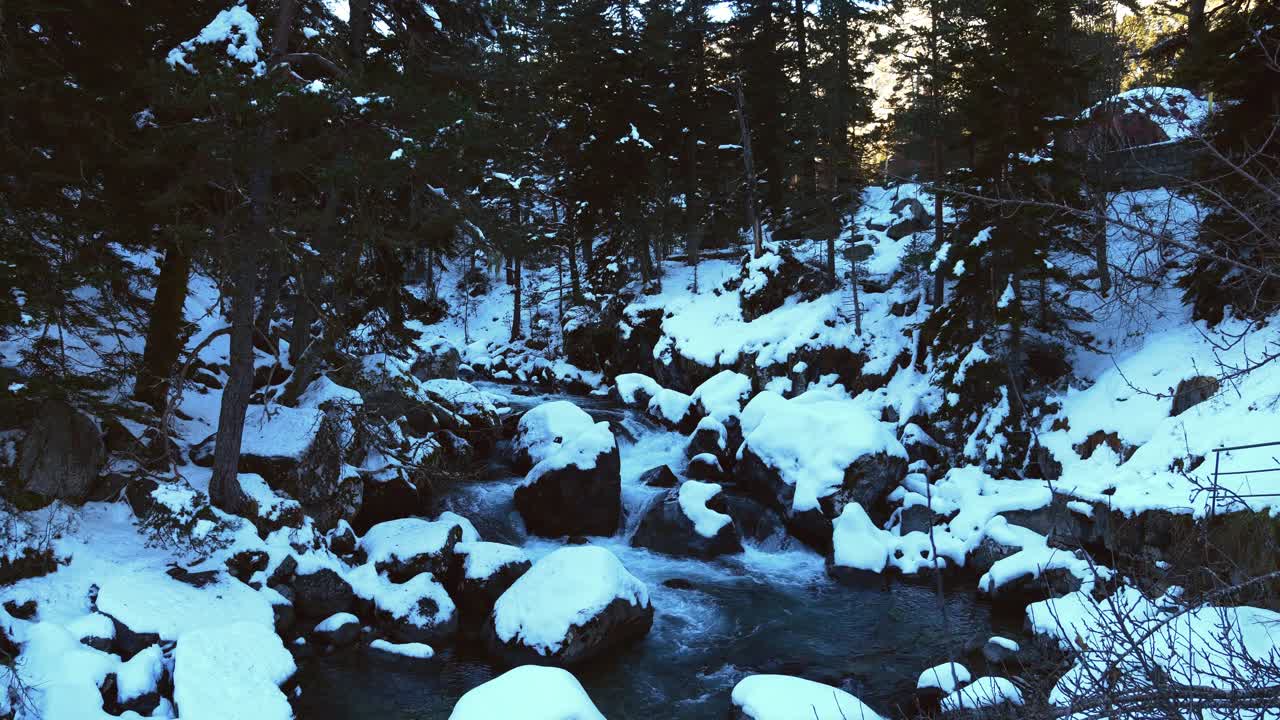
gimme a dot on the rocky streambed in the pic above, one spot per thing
(771, 608)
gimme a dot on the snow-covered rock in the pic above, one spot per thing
(983, 692)
(546, 429)
(438, 358)
(419, 610)
(791, 459)
(231, 672)
(674, 409)
(576, 490)
(860, 551)
(572, 605)
(488, 569)
(406, 547)
(723, 395)
(302, 452)
(688, 520)
(528, 692)
(782, 697)
(338, 630)
(946, 677)
(636, 390)
(412, 651)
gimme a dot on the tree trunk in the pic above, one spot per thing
(164, 328)
(516, 331)
(752, 218)
(359, 29)
(270, 299)
(224, 485)
(808, 171)
(935, 92)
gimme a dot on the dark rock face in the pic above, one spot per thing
(385, 500)
(1063, 527)
(321, 594)
(660, 476)
(707, 468)
(914, 218)
(573, 501)
(439, 360)
(754, 520)
(866, 481)
(617, 625)
(666, 529)
(476, 596)
(1192, 392)
(61, 454)
(245, 563)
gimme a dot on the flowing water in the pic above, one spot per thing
(771, 609)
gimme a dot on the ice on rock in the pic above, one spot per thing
(231, 672)
(782, 697)
(529, 692)
(546, 430)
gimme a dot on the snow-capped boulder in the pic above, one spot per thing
(782, 697)
(723, 395)
(937, 682)
(573, 605)
(576, 490)
(790, 458)
(321, 593)
(529, 692)
(710, 436)
(635, 390)
(231, 672)
(61, 454)
(137, 684)
(338, 630)
(488, 569)
(912, 218)
(544, 430)
(438, 358)
(983, 692)
(401, 651)
(266, 508)
(690, 521)
(673, 409)
(406, 547)
(419, 610)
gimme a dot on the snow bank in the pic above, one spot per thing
(529, 692)
(565, 589)
(796, 437)
(782, 697)
(153, 602)
(547, 428)
(693, 497)
(231, 672)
